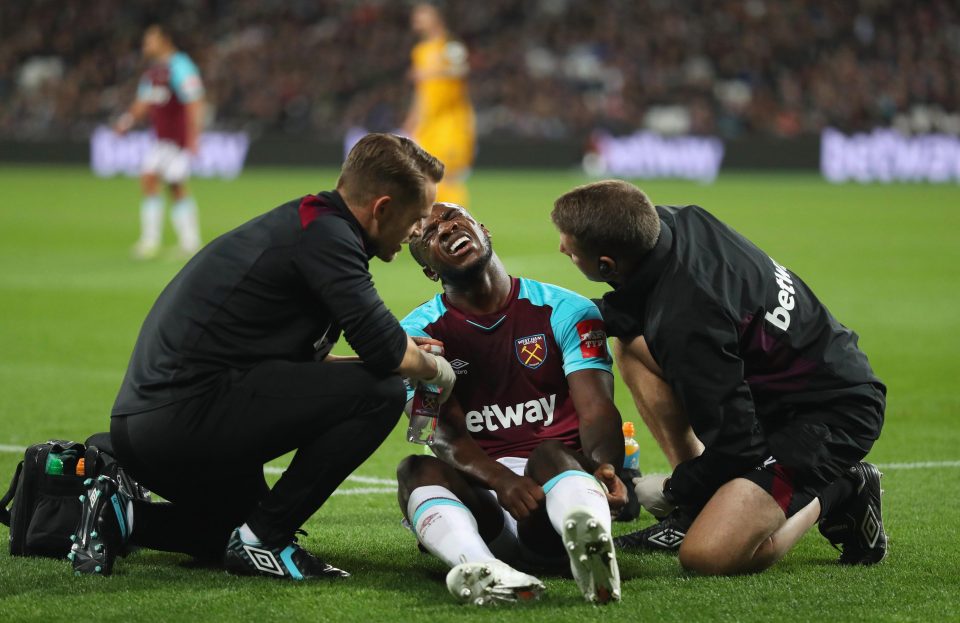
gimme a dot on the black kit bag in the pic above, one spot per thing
(46, 506)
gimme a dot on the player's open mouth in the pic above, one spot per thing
(460, 244)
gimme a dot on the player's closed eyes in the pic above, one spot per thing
(432, 228)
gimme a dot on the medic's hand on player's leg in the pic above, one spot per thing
(615, 489)
(650, 494)
(520, 495)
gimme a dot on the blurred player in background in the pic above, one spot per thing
(171, 93)
(441, 117)
(528, 443)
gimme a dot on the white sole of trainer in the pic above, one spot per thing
(486, 584)
(593, 560)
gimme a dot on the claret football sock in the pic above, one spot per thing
(575, 489)
(445, 527)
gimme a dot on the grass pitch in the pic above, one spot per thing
(884, 259)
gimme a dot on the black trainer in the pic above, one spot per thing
(103, 531)
(284, 561)
(856, 527)
(664, 536)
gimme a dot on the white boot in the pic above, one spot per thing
(593, 560)
(486, 583)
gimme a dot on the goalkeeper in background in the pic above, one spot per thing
(441, 117)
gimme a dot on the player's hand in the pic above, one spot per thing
(520, 495)
(123, 124)
(616, 490)
(650, 494)
(428, 344)
(445, 378)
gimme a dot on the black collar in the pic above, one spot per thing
(631, 295)
(335, 199)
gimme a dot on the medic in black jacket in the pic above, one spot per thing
(759, 397)
(231, 370)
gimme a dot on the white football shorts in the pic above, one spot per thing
(168, 161)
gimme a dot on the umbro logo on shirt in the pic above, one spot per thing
(459, 366)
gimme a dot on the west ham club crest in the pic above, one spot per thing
(531, 350)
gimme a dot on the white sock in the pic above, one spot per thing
(186, 224)
(247, 535)
(151, 220)
(575, 489)
(445, 526)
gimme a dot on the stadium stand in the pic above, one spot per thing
(544, 69)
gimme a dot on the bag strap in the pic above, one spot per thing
(9, 495)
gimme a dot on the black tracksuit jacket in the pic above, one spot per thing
(280, 287)
(741, 340)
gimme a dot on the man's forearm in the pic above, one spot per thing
(132, 116)
(416, 364)
(608, 450)
(601, 434)
(464, 454)
(194, 122)
(603, 443)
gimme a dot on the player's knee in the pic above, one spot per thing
(548, 451)
(550, 458)
(418, 470)
(696, 558)
(149, 183)
(705, 559)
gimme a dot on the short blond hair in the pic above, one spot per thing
(387, 164)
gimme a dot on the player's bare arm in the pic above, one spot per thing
(519, 495)
(134, 115)
(600, 429)
(194, 123)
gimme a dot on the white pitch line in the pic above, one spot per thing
(364, 490)
(390, 486)
(919, 465)
(367, 480)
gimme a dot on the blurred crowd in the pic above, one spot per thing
(539, 68)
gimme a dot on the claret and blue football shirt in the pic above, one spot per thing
(512, 365)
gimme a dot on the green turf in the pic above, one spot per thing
(884, 258)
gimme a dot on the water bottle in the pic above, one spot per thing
(631, 470)
(631, 449)
(54, 464)
(424, 414)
